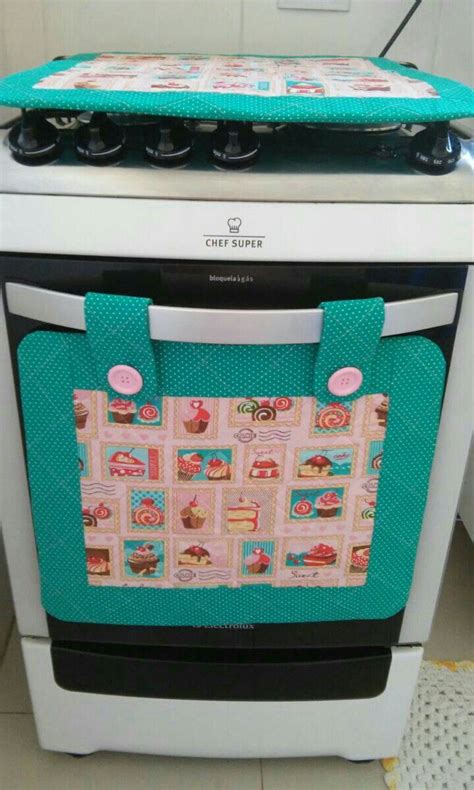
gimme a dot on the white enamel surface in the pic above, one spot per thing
(446, 479)
(15, 513)
(357, 729)
(319, 232)
(235, 326)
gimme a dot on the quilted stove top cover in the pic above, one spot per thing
(311, 89)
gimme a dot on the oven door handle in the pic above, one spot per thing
(229, 327)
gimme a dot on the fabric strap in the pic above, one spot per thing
(118, 333)
(350, 338)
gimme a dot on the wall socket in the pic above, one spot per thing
(316, 5)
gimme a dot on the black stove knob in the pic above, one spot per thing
(33, 140)
(100, 142)
(168, 143)
(435, 150)
(235, 145)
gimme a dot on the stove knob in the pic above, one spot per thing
(435, 150)
(235, 145)
(168, 143)
(33, 140)
(100, 142)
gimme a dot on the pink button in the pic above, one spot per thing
(125, 379)
(345, 381)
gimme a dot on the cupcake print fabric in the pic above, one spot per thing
(183, 492)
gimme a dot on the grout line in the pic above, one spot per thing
(16, 712)
(261, 774)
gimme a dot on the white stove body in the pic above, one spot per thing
(298, 216)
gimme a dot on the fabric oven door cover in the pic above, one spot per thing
(200, 484)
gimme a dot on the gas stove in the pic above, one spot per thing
(294, 163)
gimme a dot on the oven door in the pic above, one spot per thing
(239, 492)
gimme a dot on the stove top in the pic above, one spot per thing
(290, 163)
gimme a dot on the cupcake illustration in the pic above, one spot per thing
(382, 412)
(189, 465)
(193, 515)
(360, 559)
(217, 469)
(197, 418)
(257, 561)
(122, 411)
(143, 561)
(81, 413)
(328, 504)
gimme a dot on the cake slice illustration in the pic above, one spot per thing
(320, 554)
(143, 561)
(122, 411)
(193, 515)
(243, 517)
(264, 467)
(257, 561)
(195, 555)
(197, 418)
(217, 469)
(316, 466)
(124, 464)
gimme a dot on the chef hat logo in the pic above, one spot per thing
(234, 224)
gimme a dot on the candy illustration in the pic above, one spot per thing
(264, 413)
(148, 413)
(247, 406)
(102, 512)
(334, 415)
(88, 519)
(282, 404)
(303, 507)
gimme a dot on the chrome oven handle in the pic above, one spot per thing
(229, 327)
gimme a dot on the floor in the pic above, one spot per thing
(23, 765)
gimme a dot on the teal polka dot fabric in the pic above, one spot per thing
(350, 338)
(455, 100)
(118, 334)
(410, 370)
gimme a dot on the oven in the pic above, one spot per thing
(241, 477)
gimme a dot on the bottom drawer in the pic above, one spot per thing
(82, 722)
(221, 674)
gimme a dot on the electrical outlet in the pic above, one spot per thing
(316, 5)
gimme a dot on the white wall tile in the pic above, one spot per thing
(454, 49)
(141, 25)
(23, 34)
(361, 31)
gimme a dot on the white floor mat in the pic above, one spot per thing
(437, 749)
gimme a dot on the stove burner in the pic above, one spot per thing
(355, 128)
(33, 140)
(436, 150)
(168, 143)
(235, 145)
(100, 142)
